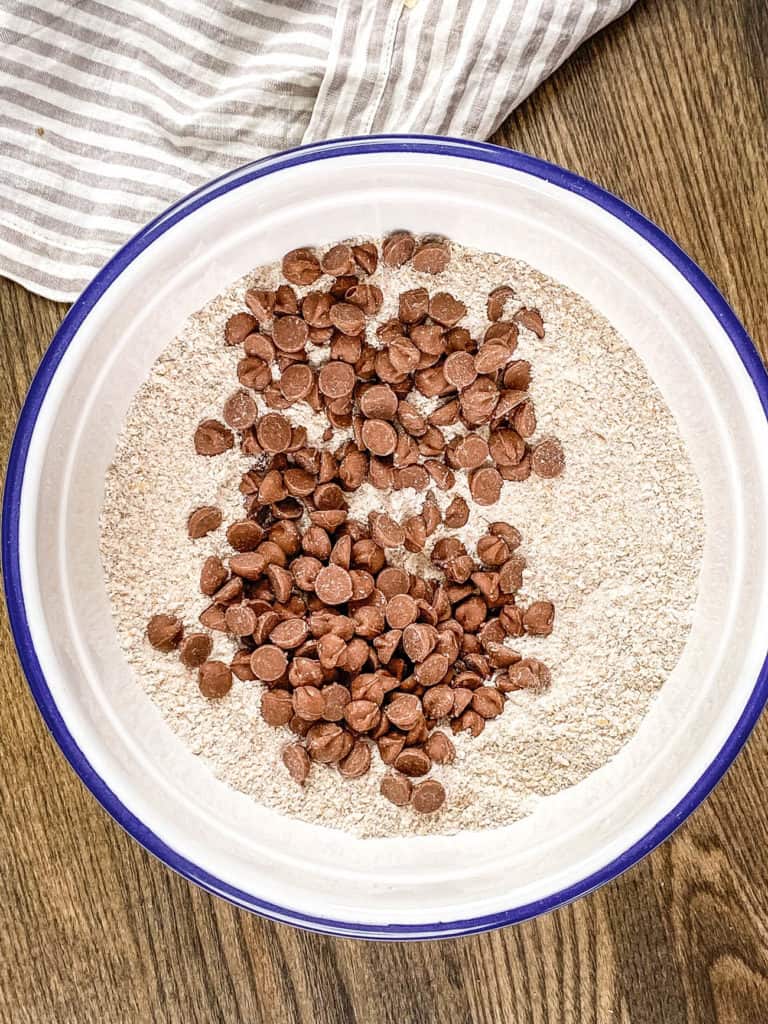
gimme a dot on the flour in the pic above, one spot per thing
(615, 543)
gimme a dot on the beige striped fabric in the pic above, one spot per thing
(111, 109)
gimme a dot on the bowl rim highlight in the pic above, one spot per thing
(332, 149)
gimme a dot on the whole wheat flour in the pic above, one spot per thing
(615, 543)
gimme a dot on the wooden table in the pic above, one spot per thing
(667, 108)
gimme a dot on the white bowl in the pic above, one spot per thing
(493, 199)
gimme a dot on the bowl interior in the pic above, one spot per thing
(325, 873)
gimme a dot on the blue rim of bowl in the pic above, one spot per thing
(332, 149)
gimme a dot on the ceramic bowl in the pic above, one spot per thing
(422, 887)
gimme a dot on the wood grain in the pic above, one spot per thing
(668, 109)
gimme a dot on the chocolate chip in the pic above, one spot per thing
(336, 380)
(511, 620)
(396, 788)
(392, 580)
(470, 614)
(212, 575)
(214, 679)
(503, 333)
(301, 267)
(404, 711)
(347, 318)
(369, 297)
(478, 401)
(366, 256)
(528, 674)
(506, 447)
(413, 762)
(538, 618)
(276, 707)
(491, 357)
(203, 521)
(265, 623)
(308, 703)
(304, 672)
(296, 760)
(353, 470)
(240, 619)
(487, 702)
(548, 459)
(238, 327)
(460, 369)
(338, 260)
(492, 550)
(431, 382)
(212, 617)
(273, 433)
(357, 762)
(335, 700)
(457, 513)
(432, 669)
(164, 632)
(259, 346)
(428, 796)
(379, 402)
(398, 248)
(261, 303)
(194, 649)
(329, 519)
(524, 419)
(369, 621)
(419, 641)
(290, 633)
(470, 451)
(298, 482)
(438, 746)
(485, 485)
(413, 306)
(517, 375)
(286, 303)
(497, 300)
(411, 476)
(333, 585)
(268, 663)
(290, 334)
(386, 532)
(328, 743)
(240, 411)
(254, 373)
(281, 582)
(401, 611)
(432, 257)
(362, 715)
(519, 472)
(446, 310)
(403, 355)
(379, 437)
(296, 382)
(445, 415)
(241, 665)
(329, 496)
(213, 438)
(409, 418)
(316, 543)
(530, 319)
(438, 702)
(469, 722)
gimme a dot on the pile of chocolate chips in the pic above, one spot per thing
(355, 652)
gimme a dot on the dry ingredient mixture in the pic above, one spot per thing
(406, 513)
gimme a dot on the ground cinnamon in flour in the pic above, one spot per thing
(623, 605)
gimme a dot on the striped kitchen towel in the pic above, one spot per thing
(111, 109)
